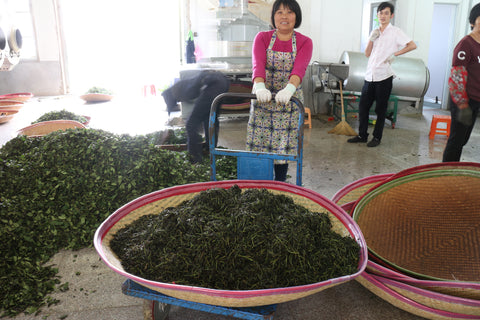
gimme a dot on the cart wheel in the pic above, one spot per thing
(160, 310)
(154, 310)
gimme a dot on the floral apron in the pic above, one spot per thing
(273, 127)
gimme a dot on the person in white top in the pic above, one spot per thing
(385, 43)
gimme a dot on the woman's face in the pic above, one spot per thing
(285, 19)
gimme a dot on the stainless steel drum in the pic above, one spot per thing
(412, 77)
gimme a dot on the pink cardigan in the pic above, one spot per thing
(259, 53)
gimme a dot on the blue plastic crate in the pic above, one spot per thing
(254, 168)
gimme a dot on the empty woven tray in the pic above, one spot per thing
(425, 224)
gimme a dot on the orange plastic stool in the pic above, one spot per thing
(308, 120)
(153, 90)
(436, 119)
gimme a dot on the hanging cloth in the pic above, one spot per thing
(190, 49)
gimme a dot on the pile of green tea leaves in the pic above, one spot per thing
(61, 115)
(100, 90)
(176, 136)
(56, 190)
(233, 240)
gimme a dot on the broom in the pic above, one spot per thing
(343, 127)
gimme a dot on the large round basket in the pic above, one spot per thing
(425, 224)
(354, 190)
(382, 290)
(155, 202)
(20, 96)
(466, 290)
(436, 166)
(45, 127)
(96, 97)
(10, 105)
(7, 115)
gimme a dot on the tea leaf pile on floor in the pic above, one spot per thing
(233, 240)
(57, 189)
(60, 115)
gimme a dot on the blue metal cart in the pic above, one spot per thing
(252, 165)
(162, 303)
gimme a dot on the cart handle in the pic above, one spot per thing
(216, 107)
(213, 122)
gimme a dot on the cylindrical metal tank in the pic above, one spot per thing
(412, 77)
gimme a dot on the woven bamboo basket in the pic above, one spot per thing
(157, 201)
(21, 96)
(467, 290)
(426, 298)
(426, 224)
(436, 166)
(353, 191)
(402, 302)
(7, 115)
(96, 97)
(433, 299)
(10, 105)
(242, 106)
(45, 127)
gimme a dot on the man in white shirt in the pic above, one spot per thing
(385, 43)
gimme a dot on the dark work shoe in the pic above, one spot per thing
(357, 139)
(373, 143)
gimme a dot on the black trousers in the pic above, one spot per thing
(459, 133)
(378, 92)
(213, 84)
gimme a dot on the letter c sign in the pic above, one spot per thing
(461, 55)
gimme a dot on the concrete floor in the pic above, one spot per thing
(329, 164)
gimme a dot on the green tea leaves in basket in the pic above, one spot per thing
(236, 240)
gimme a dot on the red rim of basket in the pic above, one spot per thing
(347, 221)
(19, 94)
(401, 277)
(451, 315)
(359, 183)
(434, 166)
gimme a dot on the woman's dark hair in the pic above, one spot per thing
(384, 5)
(474, 14)
(290, 4)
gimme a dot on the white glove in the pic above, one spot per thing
(262, 93)
(390, 59)
(284, 95)
(374, 35)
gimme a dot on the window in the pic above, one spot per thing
(23, 21)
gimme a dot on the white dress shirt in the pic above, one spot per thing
(390, 41)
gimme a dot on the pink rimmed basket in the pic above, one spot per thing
(20, 96)
(373, 284)
(425, 224)
(45, 127)
(353, 191)
(155, 202)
